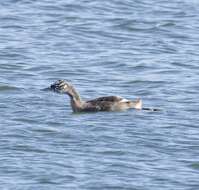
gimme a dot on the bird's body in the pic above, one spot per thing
(108, 103)
(111, 103)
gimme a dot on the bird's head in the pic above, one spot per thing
(61, 86)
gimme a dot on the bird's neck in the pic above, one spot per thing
(75, 99)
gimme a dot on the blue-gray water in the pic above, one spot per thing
(132, 48)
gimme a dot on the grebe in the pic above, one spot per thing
(108, 103)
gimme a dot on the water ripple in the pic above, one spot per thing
(146, 49)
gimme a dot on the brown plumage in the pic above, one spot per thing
(108, 103)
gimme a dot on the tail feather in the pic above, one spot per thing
(137, 104)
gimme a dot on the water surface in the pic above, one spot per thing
(146, 49)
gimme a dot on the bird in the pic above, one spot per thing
(107, 103)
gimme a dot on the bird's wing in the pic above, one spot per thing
(105, 99)
(98, 106)
(102, 103)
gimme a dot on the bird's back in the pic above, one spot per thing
(107, 103)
